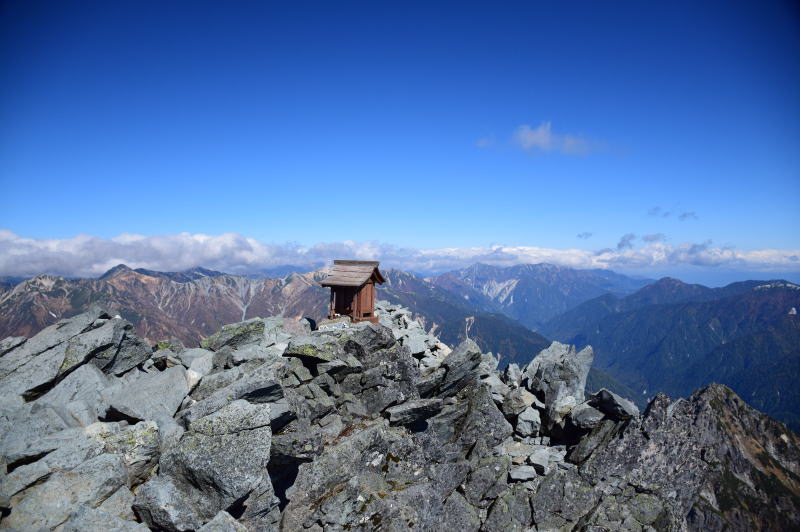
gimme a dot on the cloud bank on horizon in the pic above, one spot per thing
(89, 256)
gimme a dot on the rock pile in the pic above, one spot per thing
(270, 425)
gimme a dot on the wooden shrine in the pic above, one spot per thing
(352, 285)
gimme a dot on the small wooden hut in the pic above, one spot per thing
(352, 285)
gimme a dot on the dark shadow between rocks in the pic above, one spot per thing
(283, 474)
(238, 507)
(113, 415)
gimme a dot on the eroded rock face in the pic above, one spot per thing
(272, 426)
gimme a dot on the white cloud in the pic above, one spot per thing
(543, 139)
(88, 256)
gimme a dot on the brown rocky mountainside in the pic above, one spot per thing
(158, 306)
(194, 304)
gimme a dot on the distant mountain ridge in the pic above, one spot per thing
(670, 336)
(179, 277)
(533, 293)
(192, 304)
(187, 305)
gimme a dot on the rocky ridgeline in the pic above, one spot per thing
(270, 425)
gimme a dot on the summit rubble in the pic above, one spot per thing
(271, 425)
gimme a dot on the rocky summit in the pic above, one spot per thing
(272, 425)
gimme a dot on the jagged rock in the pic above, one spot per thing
(138, 446)
(221, 459)
(514, 448)
(600, 435)
(512, 375)
(585, 417)
(562, 499)
(262, 506)
(33, 367)
(148, 395)
(188, 356)
(260, 386)
(512, 511)
(460, 368)
(459, 515)
(223, 522)
(416, 344)
(113, 347)
(161, 506)
(558, 377)
(497, 386)
(77, 398)
(255, 352)
(50, 504)
(88, 519)
(480, 425)
(430, 381)
(236, 335)
(487, 481)
(518, 400)
(613, 406)
(216, 381)
(413, 411)
(119, 504)
(368, 436)
(544, 459)
(528, 422)
(60, 451)
(314, 349)
(523, 472)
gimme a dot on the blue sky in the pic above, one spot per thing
(460, 125)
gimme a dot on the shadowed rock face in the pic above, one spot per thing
(273, 426)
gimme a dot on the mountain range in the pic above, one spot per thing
(648, 337)
(533, 293)
(193, 304)
(671, 336)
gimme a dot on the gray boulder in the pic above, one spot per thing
(585, 417)
(148, 395)
(220, 460)
(511, 511)
(223, 522)
(259, 386)
(33, 367)
(236, 335)
(613, 406)
(522, 473)
(487, 480)
(315, 348)
(161, 506)
(88, 519)
(528, 422)
(517, 400)
(77, 398)
(413, 411)
(460, 368)
(51, 503)
(558, 377)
